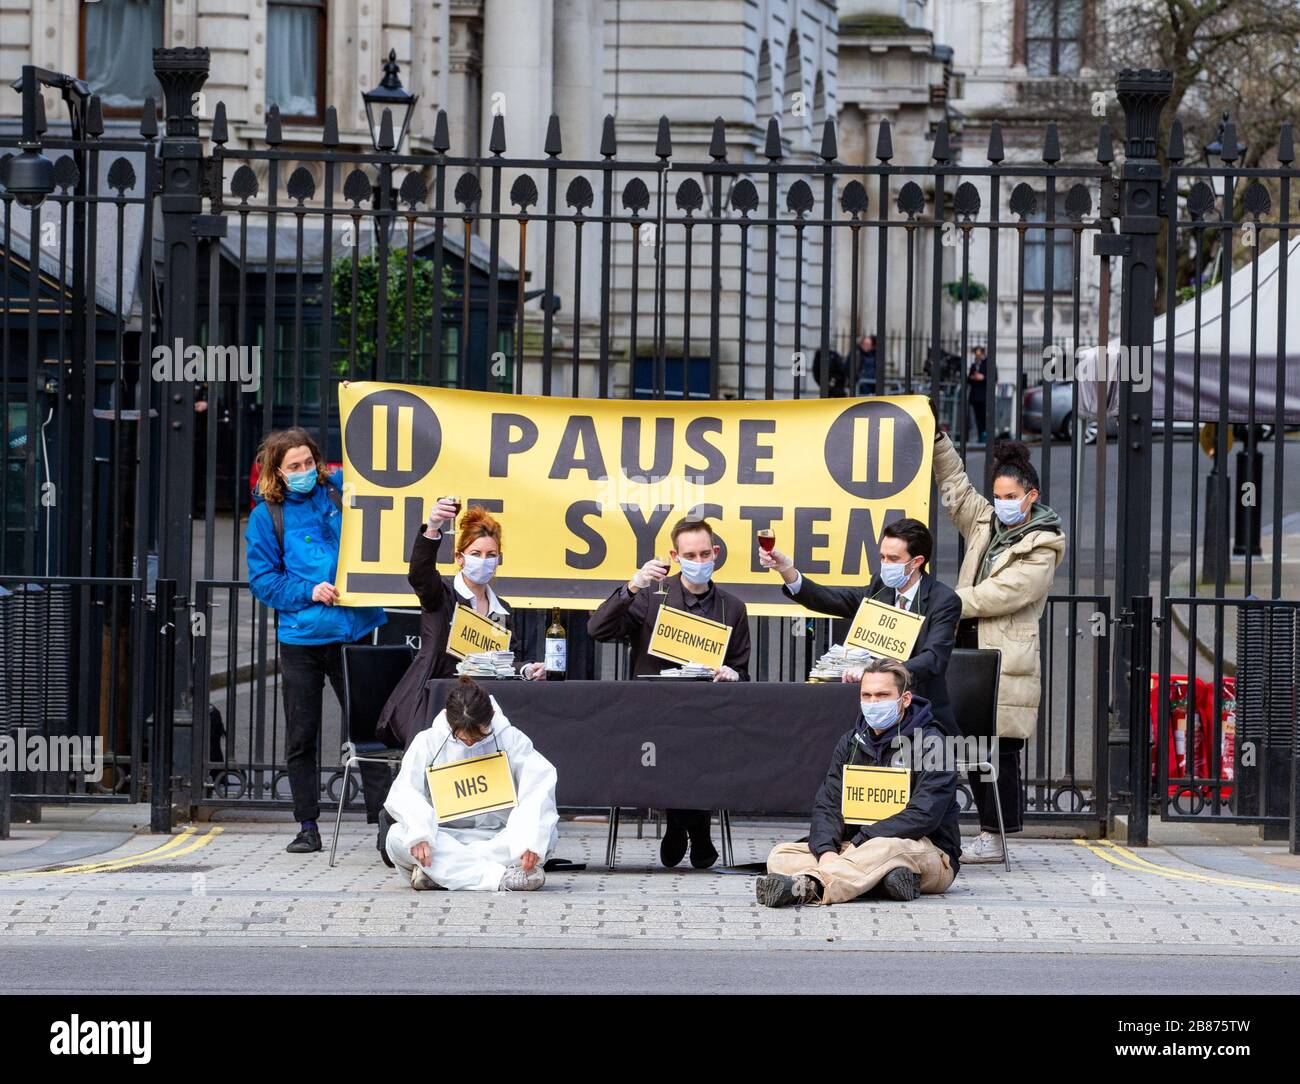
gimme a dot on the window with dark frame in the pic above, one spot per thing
(118, 38)
(1054, 33)
(1062, 252)
(295, 59)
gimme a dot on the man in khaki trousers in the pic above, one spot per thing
(912, 850)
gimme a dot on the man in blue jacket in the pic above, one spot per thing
(293, 554)
(899, 856)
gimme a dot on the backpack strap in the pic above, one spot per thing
(276, 509)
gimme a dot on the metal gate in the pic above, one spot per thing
(713, 276)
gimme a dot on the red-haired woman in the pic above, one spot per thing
(477, 554)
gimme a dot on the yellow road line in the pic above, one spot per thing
(1138, 864)
(183, 843)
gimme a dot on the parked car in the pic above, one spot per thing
(1062, 420)
(1061, 424)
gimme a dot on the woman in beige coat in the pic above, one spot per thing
(1013, 545)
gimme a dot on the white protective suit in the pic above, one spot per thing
(472, 853)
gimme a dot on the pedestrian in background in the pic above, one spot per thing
(976, 391)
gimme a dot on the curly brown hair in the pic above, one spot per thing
(275, 446)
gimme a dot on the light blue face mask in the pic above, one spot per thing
(879, 714)
(480, 569)
(894, 573)
(303, 481)
(1008, 512)
(696, 572)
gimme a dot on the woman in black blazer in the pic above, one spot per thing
(478, 552)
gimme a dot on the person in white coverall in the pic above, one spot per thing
(502, 851)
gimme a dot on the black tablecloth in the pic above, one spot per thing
(747, 746)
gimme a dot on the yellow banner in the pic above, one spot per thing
(472, 633)
(587, 490)
(466, 788)
(870, 793)
(681, 637)
(884, 630)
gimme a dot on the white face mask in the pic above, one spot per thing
(696, 572)
(880, 714)
(895, 573)
(480, 569)
(1008, 512)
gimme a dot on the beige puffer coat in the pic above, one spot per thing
(1010, 600)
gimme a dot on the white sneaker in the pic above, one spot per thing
(986, 847)
(421, 881)
(516, 879)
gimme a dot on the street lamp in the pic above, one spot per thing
(1214, 149)
(389, 96)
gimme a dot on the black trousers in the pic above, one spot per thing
(303, 671)
(688, 820)
(977, 405)
(1008, 789)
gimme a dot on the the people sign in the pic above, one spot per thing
(587, 490)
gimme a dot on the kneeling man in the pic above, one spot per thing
(501, 850)
(899, 856)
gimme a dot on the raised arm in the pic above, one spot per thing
(965, 505)
(423, 575)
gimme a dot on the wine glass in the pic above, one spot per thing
(766, 540)
(457, 502)
(662, 589)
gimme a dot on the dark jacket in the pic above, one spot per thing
(626, 616)
(408, 710)
(936, 602)
(932, 808)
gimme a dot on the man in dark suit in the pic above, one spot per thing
(905, 549)
(630, 613)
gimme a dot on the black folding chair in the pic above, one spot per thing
(370, 674)
(973, 690)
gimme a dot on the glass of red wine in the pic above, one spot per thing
(662, 589)
(766, 540)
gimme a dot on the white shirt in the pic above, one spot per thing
(497, 610)
(910, 595)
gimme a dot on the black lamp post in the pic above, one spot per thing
(391, 97)
(389, 108)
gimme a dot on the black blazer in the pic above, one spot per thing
(408, 710)
(936, 602)
(633, 619)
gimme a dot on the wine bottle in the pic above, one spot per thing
(557, 649)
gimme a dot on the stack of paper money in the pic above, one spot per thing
(831, 666)
(689, 670)
(488, 664)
